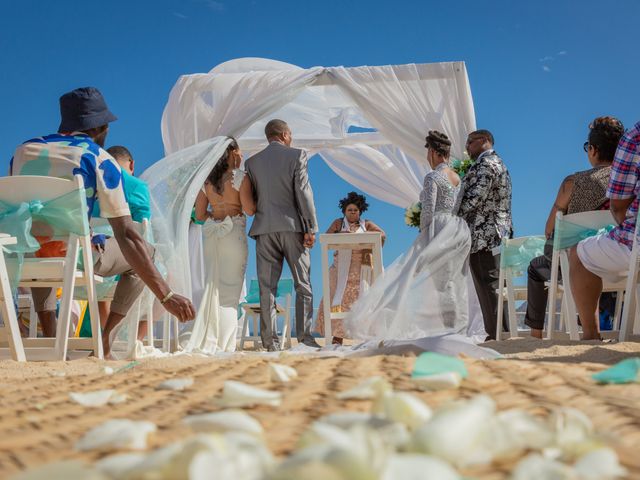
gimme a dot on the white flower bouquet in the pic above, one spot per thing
(412, 215)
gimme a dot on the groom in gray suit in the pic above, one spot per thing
(284, 228)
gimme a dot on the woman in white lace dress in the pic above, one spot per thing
(222, 204)
(424, 292)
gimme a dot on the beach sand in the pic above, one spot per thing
(40, 424)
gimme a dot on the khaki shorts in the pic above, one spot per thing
(108, 263)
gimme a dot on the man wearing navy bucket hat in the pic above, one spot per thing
(77, 150)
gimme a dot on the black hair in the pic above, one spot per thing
(438, 142)
(604, 135)
(275, 128)
(356, 199)
(118, 151)
(486, 134)
(215, 177)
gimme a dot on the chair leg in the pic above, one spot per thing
(243, 332)
(166, 331)
(500, 306)
(64, 318)
(9, 315)
(256, 333)
(33, 320)
(92, 299)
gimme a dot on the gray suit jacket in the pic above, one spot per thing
(282, 189)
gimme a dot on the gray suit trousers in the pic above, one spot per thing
(271, 250)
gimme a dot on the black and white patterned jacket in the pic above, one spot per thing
(485, 202)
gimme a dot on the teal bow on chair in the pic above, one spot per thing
(518, 257)
(56, 219)
(568, 234)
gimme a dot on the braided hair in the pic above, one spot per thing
(438, 142)
(356, 199)
(217, 174)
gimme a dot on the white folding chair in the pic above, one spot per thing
(630, 321)
(507, 290)
(252, 313)
(594, 220)
(53, 272)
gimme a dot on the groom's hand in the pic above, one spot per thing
(309, 240)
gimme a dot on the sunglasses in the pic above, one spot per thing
(585, 147)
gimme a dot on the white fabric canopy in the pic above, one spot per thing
(368, 123)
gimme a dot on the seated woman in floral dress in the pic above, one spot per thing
(350, 274)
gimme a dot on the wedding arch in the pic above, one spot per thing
(367, 123)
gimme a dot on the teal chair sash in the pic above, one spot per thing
(568, 234)
(285, 287)
(519, 257)
(55, 219)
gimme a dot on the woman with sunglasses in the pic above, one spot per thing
(580, 192)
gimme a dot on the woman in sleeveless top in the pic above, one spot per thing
(424, 292)
(580, 192)
(350, 274)
(222, 204)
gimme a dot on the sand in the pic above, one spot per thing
(40, 424)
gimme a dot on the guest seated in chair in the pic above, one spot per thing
(351, 271)
(607, 256)
(77, 149)
(136, 193)
(582, 191)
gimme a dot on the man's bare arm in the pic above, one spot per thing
(619, 208)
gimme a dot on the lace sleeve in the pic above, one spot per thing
(236, 180)
(428, 201)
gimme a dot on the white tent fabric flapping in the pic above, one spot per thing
(367, 123)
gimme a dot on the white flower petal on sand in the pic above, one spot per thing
(58, 373)
(439, 381)
(402, 407)
(366, 390)
(117, 434)
(458, 433)
(224, 421)
(65, 470)
(418, 467)
(514, 431)
(119, 465)
(281, 373)
(392, 433)
(324, 434)
(238, 394)
(177, 384)
(574, 433)
(108, 371)
(537, 467)
(600, 464)
(235, 456)
(98, 398)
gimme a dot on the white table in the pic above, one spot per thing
(345, 241)
(8, 311)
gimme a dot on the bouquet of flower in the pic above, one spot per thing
(412, 215)
(461, 166)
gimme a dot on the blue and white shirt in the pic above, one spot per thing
(63, 156)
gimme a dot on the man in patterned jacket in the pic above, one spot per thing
(484, 203)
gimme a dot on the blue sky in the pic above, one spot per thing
(539, 72)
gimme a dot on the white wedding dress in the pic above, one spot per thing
(225, 260)
(424, 291)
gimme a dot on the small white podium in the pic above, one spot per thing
(345, 241)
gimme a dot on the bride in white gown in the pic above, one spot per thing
(222, 204)
(424, 292)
